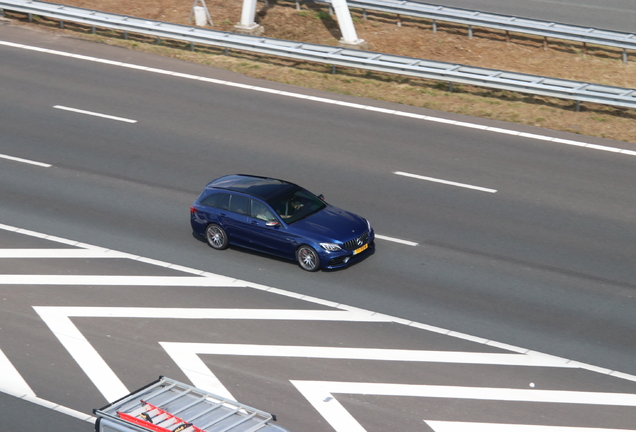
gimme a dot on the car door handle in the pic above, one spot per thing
(254, 222)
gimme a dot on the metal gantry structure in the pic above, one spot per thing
(337, 56)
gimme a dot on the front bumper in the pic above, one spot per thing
(334, 260)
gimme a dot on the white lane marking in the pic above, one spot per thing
(477, 393)
(447, 182)
(320, 395)
(26, 161)
(84, 354)
(331, 101)
(60, 253)
(187, 357)
(91, 113)
(58, 319)
(197, 371)
(11, 381)
(395, 240)
(201, 313)
(110, 280)
(328, 303)
(445, 426)
(379, 354)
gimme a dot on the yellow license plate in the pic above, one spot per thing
(360, 249)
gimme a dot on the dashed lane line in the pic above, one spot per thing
(95, 114)
(513, 132)
(396, 240)
(446, 182)
(25, 161)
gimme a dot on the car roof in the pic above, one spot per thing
(265, 188)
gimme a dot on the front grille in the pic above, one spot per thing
(356, 242)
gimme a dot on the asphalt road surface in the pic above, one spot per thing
(497, 243)
(619, 15)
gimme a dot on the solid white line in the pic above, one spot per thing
(198, 372)
(84, 354)
(59, 408)
(95, 114)
(332, 101)
(202, 313)
(26, 161)
(436, 180)
(58, 319)
(445, 426)
(377, 354)
(320, 396)
(363, 315)
(110, 280)
(395, 240)
(61, 253)
(11, 381)
(477, 393)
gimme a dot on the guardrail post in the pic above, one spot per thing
(364, 14)
(578, 106)
(399, 21)
(297, 5)
(61, 24)
(545, 43)
(93, 29)
(507, 36)
(470, 32)
(624, 55)
(434, 26)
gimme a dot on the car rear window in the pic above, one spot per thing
(218, 200)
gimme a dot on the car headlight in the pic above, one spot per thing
(331, 247)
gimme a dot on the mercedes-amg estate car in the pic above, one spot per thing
(280, 218)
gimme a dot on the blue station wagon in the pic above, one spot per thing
(279, 218)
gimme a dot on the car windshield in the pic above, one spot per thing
(297, 205)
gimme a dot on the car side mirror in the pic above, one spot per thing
(272, 224)
(322, 197)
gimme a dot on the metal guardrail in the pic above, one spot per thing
(508, 23)
(337, 56)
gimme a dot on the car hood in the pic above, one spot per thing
(332, 223)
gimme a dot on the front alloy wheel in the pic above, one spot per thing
(216, 237)
(308, 258)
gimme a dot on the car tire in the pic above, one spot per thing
(216, 237)
(308, 258)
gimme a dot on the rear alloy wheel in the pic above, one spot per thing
(216, 237)
(308, 258)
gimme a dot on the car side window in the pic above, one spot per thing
(240, 204)
(219, 200)
(261, 211)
